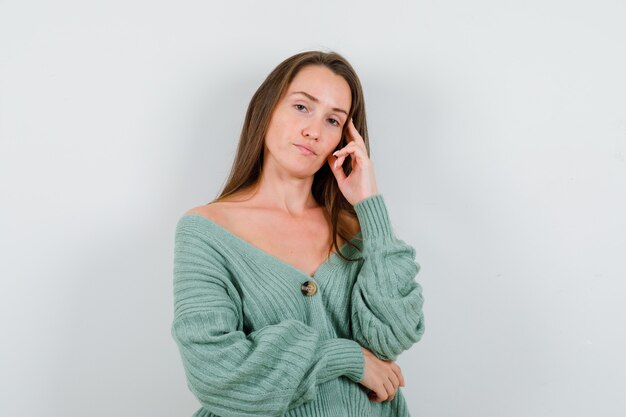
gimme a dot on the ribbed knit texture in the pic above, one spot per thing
(253, 345)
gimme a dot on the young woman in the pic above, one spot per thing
(292, 294)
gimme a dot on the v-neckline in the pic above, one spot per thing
(345, 249)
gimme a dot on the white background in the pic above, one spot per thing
(498, 135)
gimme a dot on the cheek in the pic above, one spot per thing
(332, 147)
(336, 139)
(275, 129)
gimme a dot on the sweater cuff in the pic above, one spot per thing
(344, 357)
(373, 218)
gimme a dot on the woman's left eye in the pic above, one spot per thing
(336, 122)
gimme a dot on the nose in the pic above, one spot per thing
(312, 130)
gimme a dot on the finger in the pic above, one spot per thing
(353, 138)
(394, 379)
(358, 153)
(381, 393)
(349, 134)
(346, 149)
(354, 134)
(389, 389)
(337, 171)
(398, 372)
(359, 143)
(341, 156)
(359, 156)
(339, 162)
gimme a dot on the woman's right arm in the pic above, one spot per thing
(263, 373)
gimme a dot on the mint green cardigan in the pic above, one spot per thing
(254, 343)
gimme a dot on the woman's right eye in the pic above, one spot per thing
(301, 105)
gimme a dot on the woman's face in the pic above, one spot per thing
(312, 114)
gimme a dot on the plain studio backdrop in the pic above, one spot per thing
(498, 137)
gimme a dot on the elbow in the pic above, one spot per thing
(387, 342)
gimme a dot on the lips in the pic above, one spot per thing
(306, 147)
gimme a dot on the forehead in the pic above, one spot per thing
(329, 88)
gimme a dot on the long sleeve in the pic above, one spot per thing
(386, 310)
(234, 374)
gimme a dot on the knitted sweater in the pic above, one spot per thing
(253, 342)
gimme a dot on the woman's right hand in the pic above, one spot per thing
(381, 377)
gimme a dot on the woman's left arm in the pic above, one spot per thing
(387, 302)
(386, 310)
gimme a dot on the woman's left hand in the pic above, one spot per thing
(361, 182)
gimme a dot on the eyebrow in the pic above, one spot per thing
(317, 101)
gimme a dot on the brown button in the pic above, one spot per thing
(309, 288)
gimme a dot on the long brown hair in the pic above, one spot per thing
(248, 163)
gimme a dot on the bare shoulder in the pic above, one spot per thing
(212, 211)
